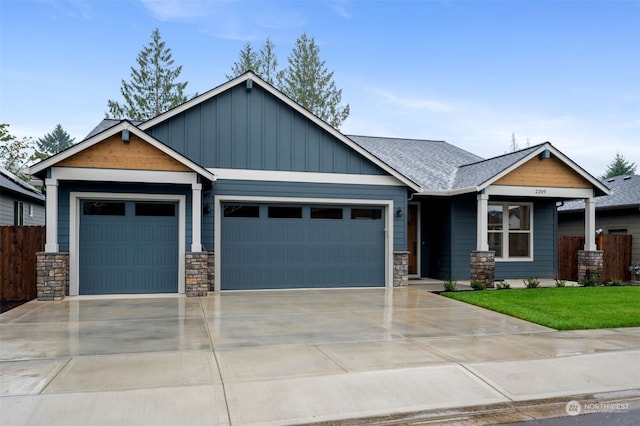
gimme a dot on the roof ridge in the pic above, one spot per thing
(397, 138)
(505, 154)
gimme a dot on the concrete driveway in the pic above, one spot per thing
(291, 357)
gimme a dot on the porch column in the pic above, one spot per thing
(482, 225)
(589, 224)
(51, 213)
(196, 217)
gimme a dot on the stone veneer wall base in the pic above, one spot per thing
(590, 264)
(52, 275)
(483, 267)
(196, 268)
(400, 268)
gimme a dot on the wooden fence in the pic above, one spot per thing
(18, 248)
(616, 256)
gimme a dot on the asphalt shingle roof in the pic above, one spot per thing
(430, 164)
(105, 124)
(10, 182)
(475, 174)
(625, 192)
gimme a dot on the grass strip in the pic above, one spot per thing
(569, 308)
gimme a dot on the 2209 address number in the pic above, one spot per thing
(541, 191)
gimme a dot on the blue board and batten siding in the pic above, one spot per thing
(463, 237)
(240, 129)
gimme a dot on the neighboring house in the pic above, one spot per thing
(20, 203)
(271, 196)
(618, 213)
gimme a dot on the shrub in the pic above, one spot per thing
(590, 281)
(478, 285)
(561, 283)
(616, 282)
(502, 285)
(531, 282)
(449, 285)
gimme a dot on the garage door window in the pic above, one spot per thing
(326, 213)
(366, 214)
(103, 208)
(280, 212)
(155, 209)
(241, 211)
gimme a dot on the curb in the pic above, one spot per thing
(508, 412)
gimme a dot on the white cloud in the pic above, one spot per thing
(183, 10)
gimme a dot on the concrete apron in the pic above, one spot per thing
(291, 357)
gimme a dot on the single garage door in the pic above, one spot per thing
(302, 246)
(128, 247)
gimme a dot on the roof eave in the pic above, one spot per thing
(114, 130)
(599, 186)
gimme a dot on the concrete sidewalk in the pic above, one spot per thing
(292, 357)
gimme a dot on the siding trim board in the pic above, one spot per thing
(388, 205)
(284, 176)
(74, 228)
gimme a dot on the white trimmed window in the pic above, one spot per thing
(511, 230)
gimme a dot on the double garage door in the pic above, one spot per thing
(128, 247)
(268, 246)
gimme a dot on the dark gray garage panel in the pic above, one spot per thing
(128, 247)
(303, 246)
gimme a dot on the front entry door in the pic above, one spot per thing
(412, 238)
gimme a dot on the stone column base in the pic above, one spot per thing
(400, 268)
(483, 267)
(196, 270)
(52, 275)
(590, 264)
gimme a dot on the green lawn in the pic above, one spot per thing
(568, 308)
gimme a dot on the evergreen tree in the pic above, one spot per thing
(52, 143)
(264, 62)
(307, 81)
(619, 166)
(153, 88)
(14, 152)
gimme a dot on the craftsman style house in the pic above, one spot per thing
(241, 188)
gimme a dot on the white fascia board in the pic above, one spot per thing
(124, 125)
(576, 168)
(122, 175)
(287, 176)
(539, 192)
(74, 149)
(566, 160)
(171, 153)
(514, 166)
(199, 99)
(291, 103)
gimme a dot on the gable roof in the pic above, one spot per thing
(111, 131)
(625, 193)
(475, 174)
(443, 169)
(12, 183)
(250, 78)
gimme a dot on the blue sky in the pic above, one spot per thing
(468, 72)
